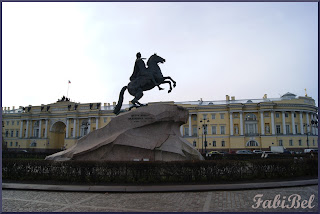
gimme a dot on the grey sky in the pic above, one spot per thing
(212, 49)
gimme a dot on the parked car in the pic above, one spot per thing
(267, 152)
(22, 151)
(311, 150)
(248, 152)
(257, 151)
(287, 152)
(213, 153)
(224, 153)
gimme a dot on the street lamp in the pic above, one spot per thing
(204, 131)
(313, 122)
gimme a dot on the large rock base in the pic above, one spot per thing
(147, 133)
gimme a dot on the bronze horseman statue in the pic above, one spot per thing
(143, 79)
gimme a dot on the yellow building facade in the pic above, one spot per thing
(227, 125)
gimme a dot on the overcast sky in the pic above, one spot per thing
(212, 49)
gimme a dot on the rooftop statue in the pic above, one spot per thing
(144, 79)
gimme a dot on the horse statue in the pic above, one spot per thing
(145, 80)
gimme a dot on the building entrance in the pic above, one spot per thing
(57, 135)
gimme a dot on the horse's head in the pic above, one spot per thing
(155, 59)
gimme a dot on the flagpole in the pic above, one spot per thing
(68, 87)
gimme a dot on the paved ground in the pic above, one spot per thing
(210, 201)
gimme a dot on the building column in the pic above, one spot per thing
(46, 130)
(181, 130)
(74, 128)
(89, 127)
(27, 129)
(231, 124)
(31, 128)
(67, 129)
(40, 128)
(301, 123)
(190, 127)
(308, 127)
(262, 123)
(284, 130)
(272, 123)
(292, 123)
(241, 123)
(97, 122)
(21, 126)
(78, 128)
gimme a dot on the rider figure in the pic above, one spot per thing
(141, 70)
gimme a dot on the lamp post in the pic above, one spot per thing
(313, 122)
(204, 131)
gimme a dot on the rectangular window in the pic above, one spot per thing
(278, 128)
(280, 143)
(10, 143)
(222, 130)
(16, 143)
(214, 143)
(11, 134)
(17, 133)
(13, 122)
(266, 114)
(7, 133)
(223, 144)
(300, 143)
(286, 114)
(7, 123)
(236, 115)
(296, 128)
(204, 116)
(194, 131)
(36, 133)
(194, 143)
(313, 142)
(25, 132)
(186, 131)
(277, 115)
(290, 143)
(17, 122)
(71, 134)
(295, 115)
(213, 116)
(43, 132)
(194, 117)
(105, 120)
(214, 130)
(287, 129)
(221, 115)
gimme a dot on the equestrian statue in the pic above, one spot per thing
(143, 79)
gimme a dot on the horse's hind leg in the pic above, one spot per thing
(137, 97)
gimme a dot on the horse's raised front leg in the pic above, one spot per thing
(174, 82)
(169, 84)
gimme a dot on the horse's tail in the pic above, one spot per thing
(116, 110)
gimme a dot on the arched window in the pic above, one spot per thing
(252, 143)
(250, 116)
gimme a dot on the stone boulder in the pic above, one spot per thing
(147, 133)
